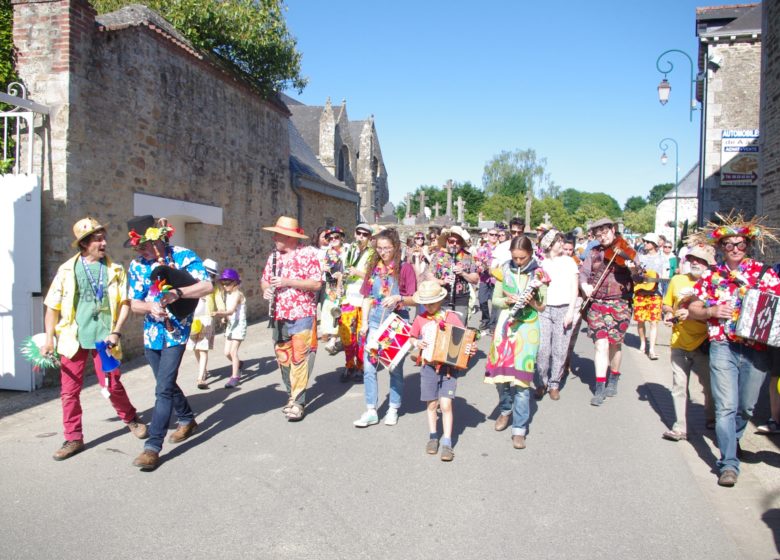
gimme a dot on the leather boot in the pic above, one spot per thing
(612, 383)
(599, 394)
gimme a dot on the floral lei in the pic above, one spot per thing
(151, 234)
(720, 284)
(384, 273)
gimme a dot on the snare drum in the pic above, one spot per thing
(391, 341)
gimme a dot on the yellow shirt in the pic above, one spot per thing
(689, 334)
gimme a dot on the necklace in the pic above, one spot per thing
(97, 287)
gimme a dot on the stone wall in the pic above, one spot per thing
(769, 191)
(732, 103)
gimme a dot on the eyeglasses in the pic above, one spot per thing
(601, 230)
(332, 237)
(419, 238)
(742, 245)
(492, 234)
(667, 246)
(453, 240)
(384, 249)
(360, 233)
(517, 231)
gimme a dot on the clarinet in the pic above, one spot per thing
(272, 303)
(452, 283)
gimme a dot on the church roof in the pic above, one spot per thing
(304, 163)
(688, 187)
(355, 129)
(307, 121)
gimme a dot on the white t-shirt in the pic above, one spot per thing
(563, 275)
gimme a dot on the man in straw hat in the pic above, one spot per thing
(688, 336)
(291, 279)
(87, 303)
(165, 284)
(609, 309)
(737, 366)
(454, 269)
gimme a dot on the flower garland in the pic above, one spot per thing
(731, 286)
(151, 234)
(385, 274)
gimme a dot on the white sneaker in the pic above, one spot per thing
(391, 418)
(368, 418)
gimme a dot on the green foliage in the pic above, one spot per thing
(474, 198)
(494, 207)
(588, 213)
(7, 55)
(640, 221)
(607, 204)
(559, 217)
(634, 203)
(658, 192)
(571, 199)
(513, 173)
(251, 34)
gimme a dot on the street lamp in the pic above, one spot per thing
(663, 144)
(665, 88)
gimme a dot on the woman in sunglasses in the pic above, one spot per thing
(331, 304)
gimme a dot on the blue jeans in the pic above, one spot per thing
(516, 401)
(371, 386)
(168, 395)
(736, 374)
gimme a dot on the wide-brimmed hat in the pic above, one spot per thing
(544, 226)
(706, 253)
(429, 291)
(456, 231)
(735, 224)
(85, 227)
(601, 222)
(210, 266)
(287, 226)
(230, 275)
(652, 237)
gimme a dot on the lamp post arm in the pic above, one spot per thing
(669, 66)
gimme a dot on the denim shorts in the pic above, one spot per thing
(434, 386)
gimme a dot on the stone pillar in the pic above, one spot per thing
(461, 210)
(408, 200)
(422, 204)
(448, 188)
(436, 209)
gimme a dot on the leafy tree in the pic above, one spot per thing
(559, 217)
(494, 206)
(571, 198)
(251, 34)
(588, 213)
(473, 197)
(658, 192)
(513, 173)
(640, 221)
(634, 203)
(7, 71)
(607, 204)
(552, 190)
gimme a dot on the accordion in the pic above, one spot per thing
(759, 318)
(448, 345)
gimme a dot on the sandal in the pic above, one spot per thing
(652, 355)
(296, 413)
(202, 384)
(286, 408)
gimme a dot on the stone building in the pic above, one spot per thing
(685, 197)
(730, 54)
(769, 191)
(141, 122)
(348, 150)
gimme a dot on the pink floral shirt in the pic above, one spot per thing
(301, 264)
(719, 285)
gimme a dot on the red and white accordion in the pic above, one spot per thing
(759, 318)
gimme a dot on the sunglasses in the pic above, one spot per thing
(518, 231)
(332, 237)
(453, 240)
(731, 246)
(419, 238)
(667, 246)
(492, 235)
(362, 234)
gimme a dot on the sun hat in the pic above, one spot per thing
(456, 231)
(652, 237)
(429, 291)
(231, 275)
(210, 266)
(544, 226)
(601, 222)
(705, 254)
(85, 227)
(287, 226)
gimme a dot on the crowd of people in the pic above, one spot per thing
(532, 293)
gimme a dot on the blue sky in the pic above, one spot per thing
(451, 84)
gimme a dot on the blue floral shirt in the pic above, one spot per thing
(156, 336)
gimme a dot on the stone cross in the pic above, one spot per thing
(408, 200)
(481, 217)
(422, 203)
(448, 188)
(546, 218)
(461, 209)
(436, 209)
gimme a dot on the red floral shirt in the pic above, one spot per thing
(302, 264)
(719, 285)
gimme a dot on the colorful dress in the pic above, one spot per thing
(351, 307)
(512, 356)
(647, 296)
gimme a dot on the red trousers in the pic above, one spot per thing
(72, 380)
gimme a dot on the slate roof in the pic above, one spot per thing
(355, 128)
(307, 121)
(725, 21)
(688, 187)
(304, 162)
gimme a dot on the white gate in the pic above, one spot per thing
(21, 309)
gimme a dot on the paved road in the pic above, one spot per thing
(592, 483)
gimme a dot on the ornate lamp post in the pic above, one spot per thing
(665, 88)
(663, 144)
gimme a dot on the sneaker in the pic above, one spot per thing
(68, 449)
(138, 429)
(599, 394)
(728, 478)
(391, 418)
(232, 383)
(771, 427)
(432, 447)
(673, 435)
(368, 418)
(184, 431)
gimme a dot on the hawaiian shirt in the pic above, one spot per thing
(441, 267)
(303, 263)
(719, 284)
(483, 259)
(156, 335)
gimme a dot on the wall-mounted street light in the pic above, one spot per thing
(665, 88)
(663, 144)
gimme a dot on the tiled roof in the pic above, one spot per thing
(726, 21)
(307, 121)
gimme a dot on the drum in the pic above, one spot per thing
(759, 319)
(391, 341)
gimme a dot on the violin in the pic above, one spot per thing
(621, 251)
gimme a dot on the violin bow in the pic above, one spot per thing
(586, 305)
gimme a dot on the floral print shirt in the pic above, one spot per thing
(719, 284)
(483, 259)
(291, 304)
(441, 267)
(156, 336)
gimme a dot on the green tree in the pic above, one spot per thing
(473, 197)
(658, 192)
(640, 221)
(513, 173)
(634, 203)
(559, 217)
(572, 199)
(588, 213)
(494, 206)
(251, 34)
(607, 204)
(7, 71)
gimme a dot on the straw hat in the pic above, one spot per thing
(287, 226)
(429, 291)
(706, 254)
(85, 227)
(456, 231)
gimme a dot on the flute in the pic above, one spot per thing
(272, 303)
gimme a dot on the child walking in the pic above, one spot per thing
(438, 382)
(235, 312)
